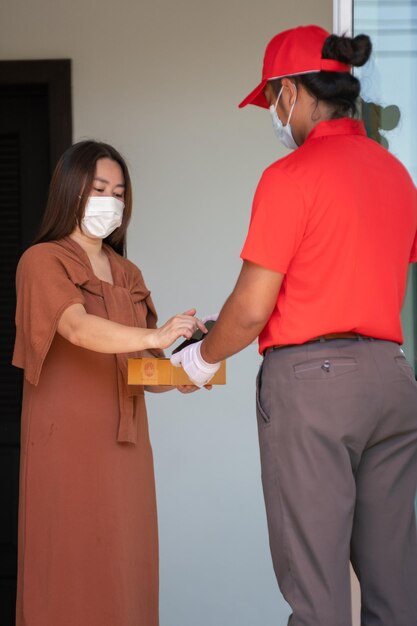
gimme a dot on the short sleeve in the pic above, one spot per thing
(277, 222)
(43, 291)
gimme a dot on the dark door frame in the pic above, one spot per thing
(48, 84)
(56, 74)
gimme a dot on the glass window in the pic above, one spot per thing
(389, 92)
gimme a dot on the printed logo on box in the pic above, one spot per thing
(149, 369)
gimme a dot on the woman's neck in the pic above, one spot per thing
(92, 246)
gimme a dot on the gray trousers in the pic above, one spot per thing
(337, 427)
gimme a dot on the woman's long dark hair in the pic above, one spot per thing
(69, 190)
(338, 89)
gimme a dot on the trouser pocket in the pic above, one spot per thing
(324, 368)
(260, 412)
(405, 367)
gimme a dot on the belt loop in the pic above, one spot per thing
(322, 339)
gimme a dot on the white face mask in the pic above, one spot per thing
(283, 133)
(102, 215)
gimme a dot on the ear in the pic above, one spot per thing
(289, 92)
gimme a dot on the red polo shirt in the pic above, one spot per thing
(338, 217)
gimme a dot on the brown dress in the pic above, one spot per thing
(88, 544)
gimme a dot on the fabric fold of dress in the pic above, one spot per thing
(127, 302)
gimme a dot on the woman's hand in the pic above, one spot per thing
(178, 326)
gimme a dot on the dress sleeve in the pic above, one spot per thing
(277, 222)
(146, 315)
(151, 320)
(44, 290)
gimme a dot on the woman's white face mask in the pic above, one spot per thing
(102, 215)
(284, 133)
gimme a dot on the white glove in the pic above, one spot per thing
(194, 365)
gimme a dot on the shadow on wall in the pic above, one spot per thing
(378, 118)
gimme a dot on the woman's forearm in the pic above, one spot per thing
(101, 335)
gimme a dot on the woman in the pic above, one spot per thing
(88, 546)
(332, 233)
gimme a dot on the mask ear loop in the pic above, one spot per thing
(292, 108)
(295, 102)
(276, 103)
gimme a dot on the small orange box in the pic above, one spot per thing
(149, 371)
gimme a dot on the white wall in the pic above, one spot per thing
(161, 81)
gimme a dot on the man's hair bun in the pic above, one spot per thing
(353, 51)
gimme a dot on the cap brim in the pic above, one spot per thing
(256, 97)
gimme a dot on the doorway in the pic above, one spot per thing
(35, 128)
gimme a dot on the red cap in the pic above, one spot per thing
(292, 52)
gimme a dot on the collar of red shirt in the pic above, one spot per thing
(341, 126)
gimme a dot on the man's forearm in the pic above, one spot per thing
(244, 314)
(233, 331)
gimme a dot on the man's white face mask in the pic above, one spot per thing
(102, 215)
(283, 133)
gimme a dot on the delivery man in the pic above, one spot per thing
(332, 232)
